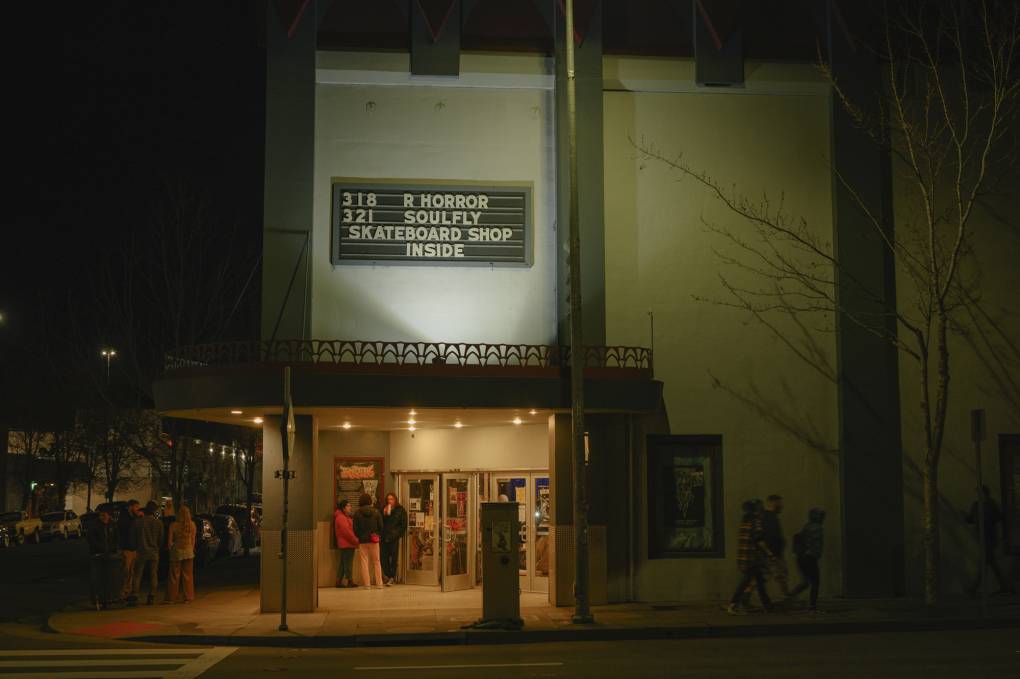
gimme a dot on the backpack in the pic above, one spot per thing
(799, 545)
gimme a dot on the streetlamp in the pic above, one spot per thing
(108, 354)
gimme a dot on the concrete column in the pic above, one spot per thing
(302, 592)
(590, 182)
(289, 161)
(871, 459)
(561, 581)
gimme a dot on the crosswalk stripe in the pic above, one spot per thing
(104, 662)
(109, 651)
(126, 663)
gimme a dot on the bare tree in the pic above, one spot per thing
(945, 118)
(31, 443)
(180, 281)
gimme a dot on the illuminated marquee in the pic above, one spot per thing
(403, 223)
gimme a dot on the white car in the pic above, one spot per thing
(65, 524)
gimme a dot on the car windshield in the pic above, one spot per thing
(53, 516)
(10, 516)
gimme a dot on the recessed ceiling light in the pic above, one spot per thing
(517, 420)
(411, 428)
(413, 412)
(346, 425)
(412, 421)
(533, 412)
(258, 420)
(237, 412)
(458, 424)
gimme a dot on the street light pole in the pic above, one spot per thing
(582, 608)
(108, 354)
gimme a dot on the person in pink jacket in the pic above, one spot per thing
(347, 541)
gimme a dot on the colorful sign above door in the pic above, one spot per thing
(429, 223)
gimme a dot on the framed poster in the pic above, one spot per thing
(1009, 471)
(685, 510)
(353, 476)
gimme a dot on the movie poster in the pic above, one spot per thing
(685, 511)
(354, 476)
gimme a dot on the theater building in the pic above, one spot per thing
(414, 279)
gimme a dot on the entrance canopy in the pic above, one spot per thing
(210, 381)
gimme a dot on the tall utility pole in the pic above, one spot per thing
(287, 441)
(582, 607)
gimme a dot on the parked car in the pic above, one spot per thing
(207, 542)
(248, 521)
(65, 524)
(22, 527)
(114, 508)
(229, 532)
(87, 520)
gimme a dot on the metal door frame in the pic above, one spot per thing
(466, 580)
(418, 577)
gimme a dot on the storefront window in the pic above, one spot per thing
(685, 497)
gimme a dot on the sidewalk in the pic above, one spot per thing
(408, 615)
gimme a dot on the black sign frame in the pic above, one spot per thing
(517, 222)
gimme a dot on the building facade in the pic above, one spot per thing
(414, 280)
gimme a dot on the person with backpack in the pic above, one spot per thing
(752, 553)
(368, 526)
(807, 546)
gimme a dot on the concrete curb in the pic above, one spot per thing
(592, 633)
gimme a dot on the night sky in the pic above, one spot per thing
(106, 103)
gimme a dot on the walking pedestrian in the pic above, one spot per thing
(181, 549)
(751, 555)
(368, 526)
(394, 528)
(993, 524)
(126, 535)
(148, 536)
(807, 545)
(104, 565)
(773, 533)
(346, 541)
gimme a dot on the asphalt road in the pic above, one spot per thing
(39, 579)
(932, 655)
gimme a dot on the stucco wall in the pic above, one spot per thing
(339, 443)
(408, 131)
(983, 375)
(724, 373)
(511, 447)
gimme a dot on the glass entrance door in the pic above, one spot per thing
(531, 493)
(457, 522)
(421, 548)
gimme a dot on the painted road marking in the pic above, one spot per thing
(457, 667)
(137, 663)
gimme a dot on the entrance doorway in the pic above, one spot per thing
(531, 491)
(443, 541)
(441, 515)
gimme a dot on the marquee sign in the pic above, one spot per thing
(419, 223)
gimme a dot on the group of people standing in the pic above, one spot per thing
(760, 554)
(375, 537)
(127, 552)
